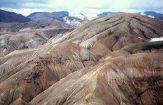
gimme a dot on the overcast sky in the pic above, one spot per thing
(88, 7)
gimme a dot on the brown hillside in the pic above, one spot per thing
(108, 61)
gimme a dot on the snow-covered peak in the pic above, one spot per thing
(72, 21)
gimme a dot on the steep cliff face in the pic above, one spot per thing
(109, 60)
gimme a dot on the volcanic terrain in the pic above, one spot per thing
(110, 60)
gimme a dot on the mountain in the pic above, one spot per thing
(61, 16)
(6, 16)
(108, 13)
(153, 14)
(34, 24)
(161, 18)
(40, 20)
(56, 15)
(110, 60)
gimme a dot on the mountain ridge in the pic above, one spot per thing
(152, 14)
(40, 20)
(56, 15)
(6, 16)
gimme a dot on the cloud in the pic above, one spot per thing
(89, 7)
(26, 11)
(86, 4)
(17, 4)
(147, 4)
(75, 7)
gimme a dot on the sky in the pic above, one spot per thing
(90, 8)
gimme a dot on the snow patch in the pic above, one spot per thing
(142, 13)
(151, 16)
(72, 22)
(156, 39)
